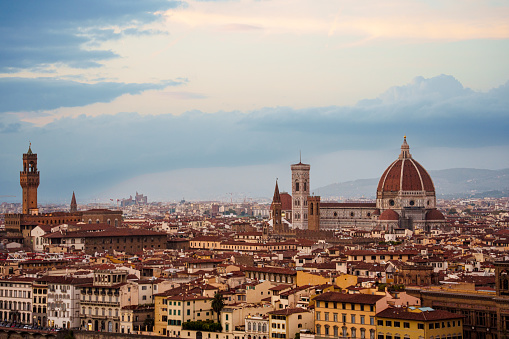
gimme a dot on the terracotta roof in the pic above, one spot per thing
(389, 215)
(406, 314)
(110, 232)
(434, 214)
(405, 174)
(288, 311)
(367, 299)
(286, 201)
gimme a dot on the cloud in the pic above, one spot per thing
(37, 34)
(240, 27)
(368, 21)
(39, 94)
(104, 150)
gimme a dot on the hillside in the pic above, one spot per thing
(449, 184)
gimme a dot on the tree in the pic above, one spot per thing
(218, 305)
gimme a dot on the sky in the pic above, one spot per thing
(205, 99)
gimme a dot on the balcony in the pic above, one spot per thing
(99, 302)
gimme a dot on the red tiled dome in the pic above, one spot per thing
(405, 174)
(286, 201)
(389, 215)
(434, 214)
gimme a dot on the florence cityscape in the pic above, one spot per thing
(246, 169)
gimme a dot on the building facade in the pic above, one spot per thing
(300, 193)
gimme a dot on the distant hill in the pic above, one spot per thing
(449, 184)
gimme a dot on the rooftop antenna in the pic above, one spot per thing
(300, 156)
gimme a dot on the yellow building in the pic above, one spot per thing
(160, 313)
(347, 315)
(182, 308)
(418, 323)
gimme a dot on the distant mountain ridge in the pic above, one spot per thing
(449, 184)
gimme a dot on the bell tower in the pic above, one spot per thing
(29, 181)
(277, 222)
(300, 194)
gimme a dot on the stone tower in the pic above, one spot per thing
(300, 193)
(314, 213)
(74, 205)
(29, 181)
(275, 208)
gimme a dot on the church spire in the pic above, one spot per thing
(277, 197)
(405, 150)
(74, 205)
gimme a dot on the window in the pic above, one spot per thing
(406, 325)
(431, 326)
(371, 320)
(420, 326)
(326, 316)
(335, 317)
(362, 319)
(318, 316)
(388, 323)
(353, 318)
(343, 318)
(397, 324)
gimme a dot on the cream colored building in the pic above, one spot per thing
(16, 299)
(255, 294)
(287, 322)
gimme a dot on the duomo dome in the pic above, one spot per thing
(405, 184)
(406, 189)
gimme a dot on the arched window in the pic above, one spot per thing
(296, 186)
(249, 326)
(311, 210)
(318, 329)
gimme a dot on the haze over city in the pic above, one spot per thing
(212, 97)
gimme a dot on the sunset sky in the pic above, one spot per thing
(200, 99)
